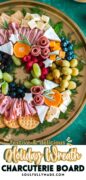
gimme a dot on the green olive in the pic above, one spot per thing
(65, 63)
(60, 89)
(28, 84)
(53, 66)
(68, 77)
(64, 83)
(49, 76)
(74, 63)
(72, 85)
(75, 72)
(56, 73)
(66, 71)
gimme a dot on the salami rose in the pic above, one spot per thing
(45, 53)
(37, 90)
(43, 42)
(36, 50)
(38, 99)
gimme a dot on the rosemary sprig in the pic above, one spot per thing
(24, 40)
(5, 25)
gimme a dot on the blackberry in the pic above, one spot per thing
(6, 63)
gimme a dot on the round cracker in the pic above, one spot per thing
(11, 123)
(2, 125)
(29, 122)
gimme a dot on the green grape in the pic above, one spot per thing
(36, 70)
(5, 88)
(33, 74)
(36, 81)
(16, 61)
(28, 84)
(7, 77)
(1, 75)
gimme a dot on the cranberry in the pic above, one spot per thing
(42, 77)
(29, 66)
(26, 58)
(34, 59)
(41, 64)
(44, 71)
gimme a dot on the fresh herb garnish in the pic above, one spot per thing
(36, 10)
(77, 45)
(5, 25)
(10, 12)
(24, 11)
(69, 109)
(24, 40)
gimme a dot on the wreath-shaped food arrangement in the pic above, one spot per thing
(37, 68)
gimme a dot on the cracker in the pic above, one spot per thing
(2, 125)
(11, 123)
(29, 122)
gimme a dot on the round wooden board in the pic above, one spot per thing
(69, 26)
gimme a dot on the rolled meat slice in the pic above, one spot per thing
(31, 108)
(45, 53)
(38, 99)
(43, 42)
(36, 50)
(3, 37)
(37, 90)
(26, 109)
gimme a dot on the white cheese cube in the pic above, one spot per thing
(54, 52)
(32, 24)
(40, 25)
(48, 63)
(28, 16)
(67, 102)
(63, 108)
(53, 112)
(41, 111)
(51, 35)
(7, 48)
(48, 85)
(36, 17)
(45, 18)
(28, 97)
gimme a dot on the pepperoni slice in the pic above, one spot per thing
(43, 42)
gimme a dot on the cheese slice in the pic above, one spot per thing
(48, 85)
(54, 52)
(32, 24)
(45, 18)
(51, 35)
(41, 111)
(14, 38)
(63, 108)
(53, 112)
(36, 17)
(28, 97)
(48, 63)
(7, 48)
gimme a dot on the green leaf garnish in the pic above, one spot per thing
(24, 11)
(5, 25)
(10, 12)
(24, 40)
(78, 45)
(58, 27)
(36, 10)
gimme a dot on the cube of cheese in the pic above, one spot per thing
(45, 18)
(17, 15)
(5, 17)
(28, 16)
(63, 108)
(40, 25)
(53, 112)
(24, 23)
(32, 24)
(36, 17)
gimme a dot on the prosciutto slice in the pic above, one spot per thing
(37, 90)
(26, 109)
(38, 100)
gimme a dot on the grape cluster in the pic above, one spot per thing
(67, 46)
(16, 91)
(6, 63)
